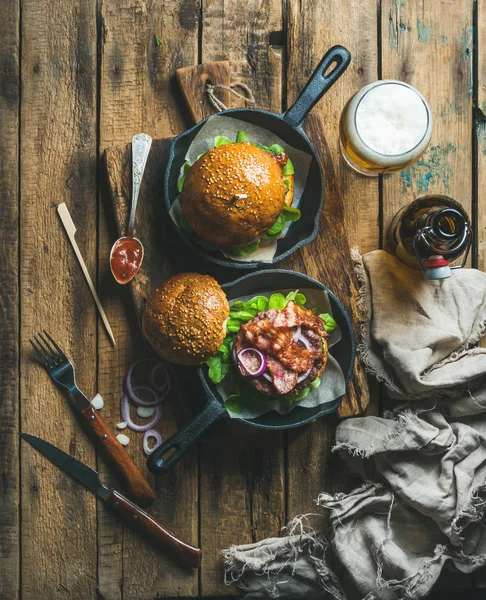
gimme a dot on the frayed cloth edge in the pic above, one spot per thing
(366, 357)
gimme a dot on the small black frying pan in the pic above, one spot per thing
(344, 352)
(288, 126)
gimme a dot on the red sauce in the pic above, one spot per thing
(126, 259)
(281, 159)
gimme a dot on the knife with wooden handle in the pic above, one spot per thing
(132, 515)
(135, 482)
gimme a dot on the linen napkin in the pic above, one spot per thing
(422, 502)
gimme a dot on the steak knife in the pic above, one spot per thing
(131, 513)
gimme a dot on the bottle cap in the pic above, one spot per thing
(436, 267)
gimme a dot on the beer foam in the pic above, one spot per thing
(391, 119)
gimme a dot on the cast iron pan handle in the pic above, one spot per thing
(184, 438)
(320, 81)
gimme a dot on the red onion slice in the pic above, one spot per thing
(130, 391)
(268, 377)
(306, 342)
(167, 374)
(151, 433)
(304, 375)
(125, 414)
(245, 362)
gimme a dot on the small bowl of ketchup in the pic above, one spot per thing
(126, 258)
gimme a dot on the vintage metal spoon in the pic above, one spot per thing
(126, 254)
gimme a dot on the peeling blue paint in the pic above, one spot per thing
(481, 135)
(467, 42)
(430, 171)
(425, 33)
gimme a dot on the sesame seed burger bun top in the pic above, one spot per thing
(184, 319)
(233, 194)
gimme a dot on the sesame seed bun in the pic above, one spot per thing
(233, 194)
(184, 319)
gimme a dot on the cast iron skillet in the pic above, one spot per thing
(344, 352)
(288, 126)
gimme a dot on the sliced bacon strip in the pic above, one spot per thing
(284, 380)
(294, 315)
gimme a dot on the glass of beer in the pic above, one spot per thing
(385, 127)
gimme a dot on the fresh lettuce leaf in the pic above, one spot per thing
(234, 404)
(242, 136)
(183, 175)
(219, 140)
(233, 325)
(277, 149)
(218, 368)
(288, 168)
(277, 301)
(329, 322)
(243, 314)
(289, 213)
(297, 297)
(245, 250)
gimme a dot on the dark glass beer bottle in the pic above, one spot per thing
(431, 233)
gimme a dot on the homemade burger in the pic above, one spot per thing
(273, 346)
(184, 320)
(281, 352)
(238, 192)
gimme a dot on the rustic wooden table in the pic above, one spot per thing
(78, 76)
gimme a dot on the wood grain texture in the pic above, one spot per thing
(438, 35)
(9, 301)
(138, 93)
(58, 151)
(192, 82)
(240, 32)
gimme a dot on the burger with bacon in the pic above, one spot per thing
(274, 345)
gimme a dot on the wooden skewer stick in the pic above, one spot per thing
(71, 230)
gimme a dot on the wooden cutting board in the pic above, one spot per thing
(166, 254)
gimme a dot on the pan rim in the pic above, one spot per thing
(333, 406)
(226, 262)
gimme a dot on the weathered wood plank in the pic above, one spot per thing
(241, 478)
(58, 149)
(351, 205)
(9, 301)
(420, 39)
(193, 80)
(240, 32)
(138, 93)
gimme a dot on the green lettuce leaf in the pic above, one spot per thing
(183, 175)
(245, 250)
(219, 140)
(242, 136)
(329, 322)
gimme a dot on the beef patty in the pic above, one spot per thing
(272, 332)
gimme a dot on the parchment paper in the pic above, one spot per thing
(333, 384)
(228, 126)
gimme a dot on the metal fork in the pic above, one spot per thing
(61, 371)
(59, 367)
